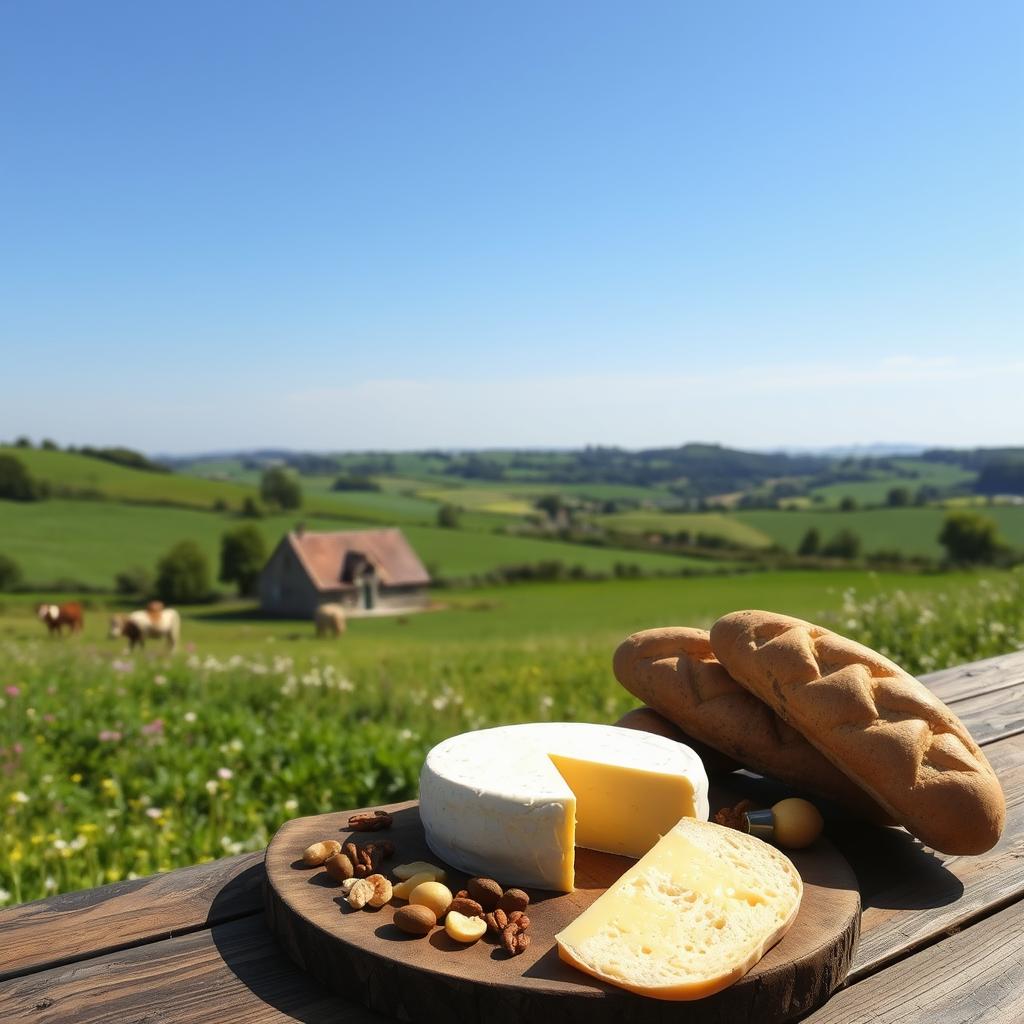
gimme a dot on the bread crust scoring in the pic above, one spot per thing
(674, 671)
(872, 720)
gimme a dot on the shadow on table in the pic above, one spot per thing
(252, 954)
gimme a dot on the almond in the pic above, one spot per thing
(339, 867)
(414, 919)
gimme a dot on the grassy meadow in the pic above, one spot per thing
(115, 765)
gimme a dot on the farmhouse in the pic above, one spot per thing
(365, 570)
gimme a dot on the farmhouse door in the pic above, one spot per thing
(368, 593)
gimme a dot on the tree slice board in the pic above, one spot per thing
(362, 955)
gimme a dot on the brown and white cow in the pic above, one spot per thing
(57, 616)
(155, 622)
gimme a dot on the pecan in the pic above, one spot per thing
(464, 905)
(462, 893)
(497, 921)
(369, 821)
(514, 941)
(519, 919)
(735, 817)
(351, 851)
(362, 870)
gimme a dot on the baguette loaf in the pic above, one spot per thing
(647, 720)
(674, 671)
(875, 722)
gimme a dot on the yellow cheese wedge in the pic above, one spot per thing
(690, 918)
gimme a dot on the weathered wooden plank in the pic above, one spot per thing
(955, 684)
(993, 715)
(89, 922)
(974, 975)
(232, 973)
(911, 895)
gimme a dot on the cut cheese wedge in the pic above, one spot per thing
(690, 918)
(511, 803)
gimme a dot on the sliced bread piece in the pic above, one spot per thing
(690, 917)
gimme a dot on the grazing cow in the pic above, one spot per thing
(154, 622)
(57, 616)
(330, 620)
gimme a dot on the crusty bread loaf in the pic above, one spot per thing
(691, 917)
(648, 720)
(674, 671)
(878, 724)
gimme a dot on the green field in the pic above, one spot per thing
(116, 766)
(918, 473)
(911, 531)
(89, 541)
(729, 526)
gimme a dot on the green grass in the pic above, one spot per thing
(729, 527)
(874, 492)
(90, 541)
(911, 531)
(116, 766)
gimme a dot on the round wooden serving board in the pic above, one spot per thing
(362, 955)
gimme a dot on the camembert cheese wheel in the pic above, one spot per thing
(689, 918)
(511, 803)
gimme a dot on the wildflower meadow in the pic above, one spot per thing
(115, 766)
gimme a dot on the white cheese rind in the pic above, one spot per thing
(492, 801)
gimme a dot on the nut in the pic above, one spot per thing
(496, 921)
(351, 851)
(415, 919)
(514, 942)
(485, 891)
(316, 854)
(369, 821)
(435, 895)
(418, 867)
(735, 817)
(339, 867)
(360, 893)
(462, 928)
(461, 893)
(403, 889)
(464, 905)
(513, 899)
(519, 919)
(381, 890)
(362, 870)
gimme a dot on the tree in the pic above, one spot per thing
(845, 544)
(281, 488)
(10, 573)
(49, 445)
(811, 543)
(448, 516)
(970, 537)
(848, 504)
(898, 497)
(16, 483)
(251, 509)
(183, 574)
(135, 581)
(243, 553)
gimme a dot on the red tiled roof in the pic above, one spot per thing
(324, 554)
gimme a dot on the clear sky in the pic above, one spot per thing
(406, 224)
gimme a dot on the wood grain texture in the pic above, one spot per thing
(362, 953)
(972, 977)
(87, 923)
(912, 895)
(994, 715)
(954, 684)
(232, 973)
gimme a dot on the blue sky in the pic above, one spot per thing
(341, 225)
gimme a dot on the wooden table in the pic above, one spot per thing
(942, 938)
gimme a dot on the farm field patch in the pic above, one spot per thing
(912, 531)
(89, 541)
(728, 527)
(874, 492)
